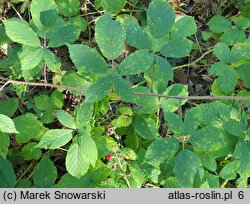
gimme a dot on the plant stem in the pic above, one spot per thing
(194, 62)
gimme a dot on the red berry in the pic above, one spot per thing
(108, 157)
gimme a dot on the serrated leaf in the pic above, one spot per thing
(139, 61)
(230, 170)
(52, 61)
(160, 18)
(242, 154)
(79, 22)
(160, 75)
(228, 76)
(55, 138)
(66, 119)
(219, 24)
(184, 27)
(5, 142)
(145, 127)
(45, 173)
(174, 123)
(68, 8)
(63, 35)
(7, 125)
(89, 148)
(81, 153)
(87, 59)
(49, 19)
(39, 6)
(73, 79)
(42, 102)
(109, 36)
(113, 6)
(188, 169)
(137, 37)
(99, 89)
(161, 150)
(30, 57)
(222, 52)
(7, 174)
(170, 49)
(19, 31)
(84, 113)
(29, 151)
(148, 104)
(207, 160)
(233, 36)
(8, 106)
(171, 105)
(123, 88)
(211, 139)
(233, 127)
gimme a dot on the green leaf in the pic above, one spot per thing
(79, 22)
(45, 173)
(148, 104)
(30, 57)
(174, 123)
(207, 160)
(5, 142)
(99, 89)
(233, 36)
(42, 102)
(192, 120)
(139, 61)
(113, 6)
(211, 139)
(63, 35)
(171, 50)
(188, 169)
(49, 19)
(7, 174)
(161, 150)
(52, 61)
(81, 153)
(233, 127)
(8, 107)
(36, 9)
(55, 138)
(171, 105)
(242, 154)
(73, 79)
(29, 151)
(222, 52)
(84, 113)
(89, 148)
(56, 99)
(66, 119)
(109, 36)
(29, 127)
(132, 139)
(123, 88)
(160, 75)
(244, 74)
(87, 59)
(184, 27)
(68, 8)
(219, 24)
(230, 170)
(19, 31)
(145, 127)
(228, 77)
(122, 121)
(160, 18)
(137, 37)
(7, 125)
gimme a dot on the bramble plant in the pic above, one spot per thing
(107, 112)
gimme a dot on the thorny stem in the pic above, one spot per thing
(124, 175)
(239, 98)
